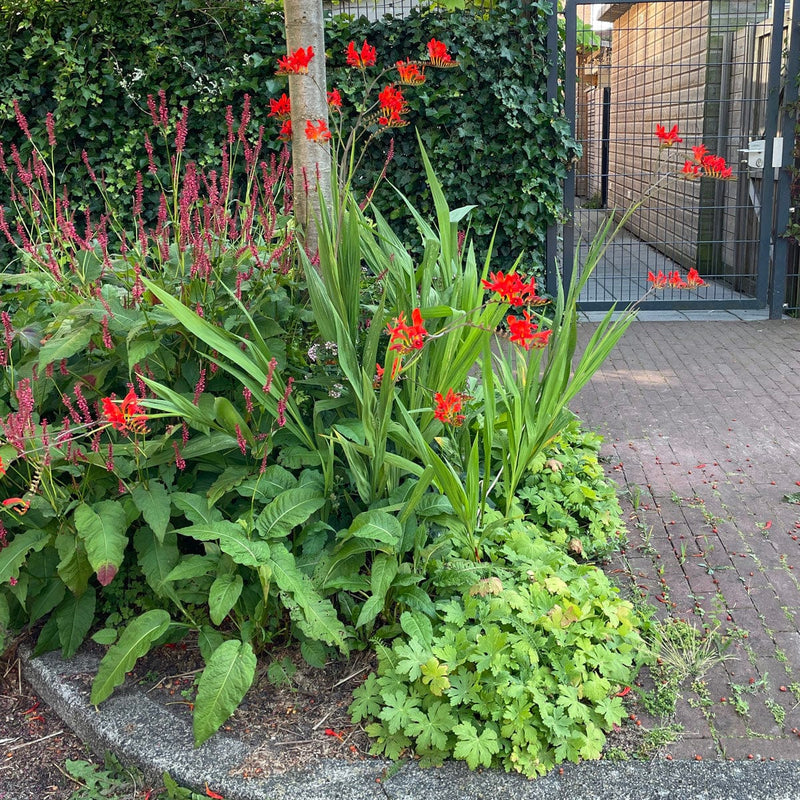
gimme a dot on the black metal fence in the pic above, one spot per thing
(721, 72)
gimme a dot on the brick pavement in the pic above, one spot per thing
(702, 428)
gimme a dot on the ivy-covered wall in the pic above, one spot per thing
(493, 136)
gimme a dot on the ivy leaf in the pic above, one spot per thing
(228, 675)
(476, 750)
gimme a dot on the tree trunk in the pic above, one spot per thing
(311, 161)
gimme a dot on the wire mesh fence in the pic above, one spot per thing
(703, 67)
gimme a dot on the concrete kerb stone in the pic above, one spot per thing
(146, 735)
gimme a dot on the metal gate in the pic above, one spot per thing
(725, 73)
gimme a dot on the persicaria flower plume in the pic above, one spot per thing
(296, 63)
(406, 338)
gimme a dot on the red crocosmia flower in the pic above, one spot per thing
(674, 280)
(541, 339)
(363, 58)
(659, 281)
(391, 99)
(392, 120)
(668, 137)
(437, 52)
(715, 167)
(285, 133)
(335, 99)
(447, 408)
(296, 63)
(410, 72)
(317, 132)
(693, 279)
(406, 338)
(512, 290)
(125, 416)
(522, 330)
(281, 108)
(17, 504)
(690, 170)
(699, 152)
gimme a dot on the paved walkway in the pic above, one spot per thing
(702, 425)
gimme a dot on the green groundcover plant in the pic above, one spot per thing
(251, 446)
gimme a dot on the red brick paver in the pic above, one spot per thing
(702, 427)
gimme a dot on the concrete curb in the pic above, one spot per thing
(144, 734)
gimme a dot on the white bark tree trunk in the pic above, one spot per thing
(311, 161)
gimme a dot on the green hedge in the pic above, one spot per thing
(494, 138)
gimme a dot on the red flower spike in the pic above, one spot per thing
(668, 137)
(437, 52)
(281, 108)
(296, 63)
(406, 338)
(447, 408)
(522, 330)
(693, 279)
(127, 415)
(699, 152)
(410, 73)
(361, 59)
(391, 99)
(285, 133)
(690, 171)
(659, 281)
(674, 280)
(317, 132)
(17, 504)
(335, 100)
(512, 290)
(715, 167)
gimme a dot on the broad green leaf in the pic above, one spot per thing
(74, 568)
(289, 509)
(105, 636)
(228, 675)
(208, 640)
(193, 566)
(228, 481)
(417, 626)
(269, 485)
(195, 508)
(102, 528)
(222, 596)
(12, 556)
(66, 344)
(134, 642)
(154, 503)
(231, 540)
(74, 618)
(315, 615)
(379, 526)
(384, 569)
(157, 558)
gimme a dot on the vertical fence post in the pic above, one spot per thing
(770, 132)
(551, 242)
(570, 81)
(780, 251)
